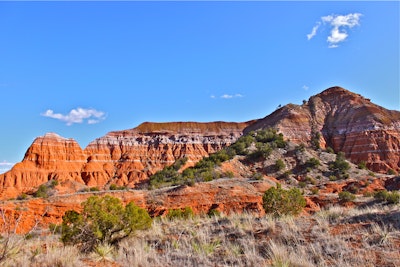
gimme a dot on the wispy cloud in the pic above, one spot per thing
(227, 96)
(78, 115)
(305, 87)
(313, 31)
(338, 25)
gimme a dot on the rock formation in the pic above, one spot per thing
(344, 121)
(336, 117)
(49, 157)
(123, 157)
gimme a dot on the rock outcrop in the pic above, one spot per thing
(344, 121)
(49, 157)
(123, 157)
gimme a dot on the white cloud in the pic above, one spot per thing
(338, 24)
(226, 96)
(305, 87)
(78, 115)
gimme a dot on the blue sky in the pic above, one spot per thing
(82, 69)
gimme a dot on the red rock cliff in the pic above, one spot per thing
(347, 122)
(49, 157)
(131, 156)
(122, 157)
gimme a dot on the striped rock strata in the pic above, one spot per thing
(346, 122)
(122, 157)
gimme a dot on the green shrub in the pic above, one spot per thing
(393, 198)
(391, 172)
(186, 213)
(53, 183)
(113, 187)
(42, 191)
(104, 220)
(332, 178)
(257, 176)
(302, 184)
(279, 202)
(389, 197)
(116, 187)
(22, 196)
(94, 189)
(213, 212)
(314, 191)
(330, 150)
(362, 165)
(315, 140)
(340, 166)
(346, 196)
(312, 163)
(279, 165)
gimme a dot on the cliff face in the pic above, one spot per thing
(131, 156)
(49, 157)
(123, 157)
(346, 122)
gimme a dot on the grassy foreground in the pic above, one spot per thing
(337, 236)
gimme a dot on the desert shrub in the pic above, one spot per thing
(302, 184)
(362, 165)
(346, 196)
(315, 140)
(340, 165)
(329, 150)
(389, 197)
(263, 150)
(22, 196)
(186, 213)
(393, 198)
(104, 220)
(213, 212)
(300, 148)
(116, 187)
(53, 183)
(279, 165)
(94, 189)
(228, 174)
(42, 191)
(278, 201)
(286, 174)
(391, 172)
(314, 191)
(312, 163)
(113, 187)
(257, 176)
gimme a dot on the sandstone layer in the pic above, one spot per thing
(344, 121)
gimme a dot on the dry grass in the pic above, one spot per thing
(333, 237)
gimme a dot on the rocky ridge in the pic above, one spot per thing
(344, 121)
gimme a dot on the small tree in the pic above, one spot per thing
(103, 220)
(279, 202)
